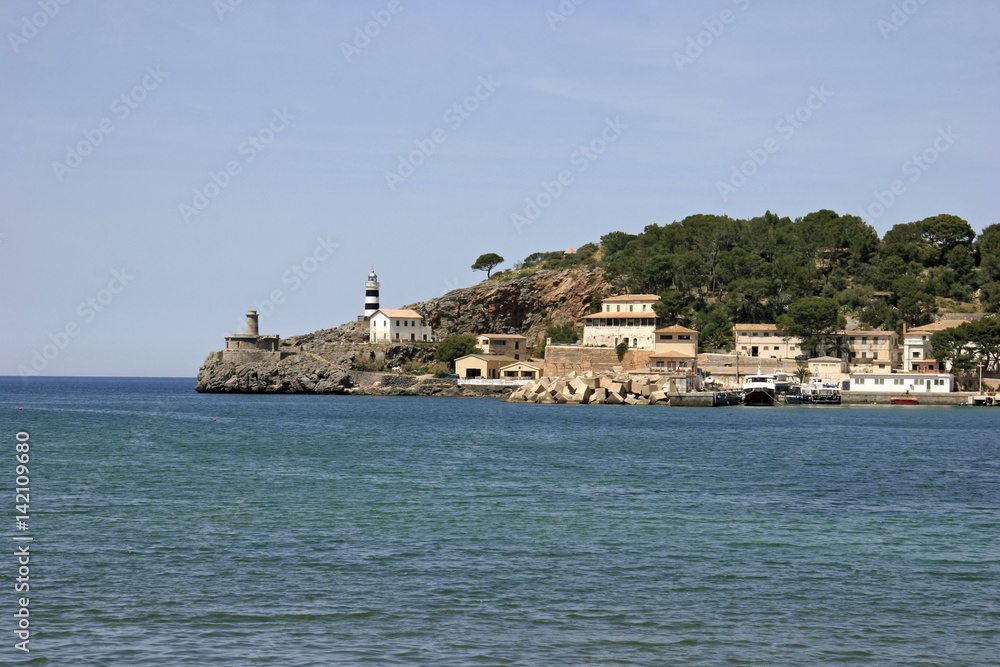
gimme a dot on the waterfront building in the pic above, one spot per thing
(521, 370)
(629, 318)
(906, 382)
(675, 349)
(510, 345)
(250, 345)
(484, 366)
(387, 325)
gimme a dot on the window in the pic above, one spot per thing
(425, 337)
(863, 355)
(630, 309)
(666, 337)
(687, 337)
(897, 381)
(765, 347)
(852, 339)
(879, 380)
(860, 381)
(397, 323)
(916, 355)
(939, 382)
(517, 345)
(618, 309)
(864, 340)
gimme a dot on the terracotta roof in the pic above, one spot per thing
(529, 364)
(489, 357)
(756, 327)
(669, 354)
(675, 329)
(399, 312)
(641, 314)
(936, 326)
(631, 297)
(826, 360)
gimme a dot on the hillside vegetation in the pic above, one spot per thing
(713, 271)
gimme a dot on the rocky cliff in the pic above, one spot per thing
(333, 361)
(517, 305)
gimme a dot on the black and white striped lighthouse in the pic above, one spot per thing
(371, 294)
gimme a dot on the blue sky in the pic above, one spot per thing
(167, 166)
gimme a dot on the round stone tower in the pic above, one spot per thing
(252, 323)
(371, 294)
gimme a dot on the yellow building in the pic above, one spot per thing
(510, 345)
(484, 366)
(521, 370)
(676, 349)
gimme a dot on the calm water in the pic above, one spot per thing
(299, 530)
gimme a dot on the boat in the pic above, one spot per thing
(904, 400)
(818, 392)
(787, 389)
(759, 390)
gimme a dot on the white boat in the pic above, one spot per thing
(818, 392)
(759, 389)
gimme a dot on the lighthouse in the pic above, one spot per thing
(371, 294)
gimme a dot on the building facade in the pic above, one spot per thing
(765, 340)
(481, 366)
(250, 345)
(629, 318)
(901, 383)
(387, 325)
(675, 350)
(916, 355)
(510, 345)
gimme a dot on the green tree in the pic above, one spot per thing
(814, 320)
(596, 302)
(562, 334)
(673, 307)
(487, 263)
(453, 347)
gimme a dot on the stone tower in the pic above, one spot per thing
(371, 294)
(252, 323)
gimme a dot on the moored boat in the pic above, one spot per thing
(759, 390)
(818, 392)
(904, 400)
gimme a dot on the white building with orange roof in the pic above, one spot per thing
(917, 357)
(765, 340)
(628, 318)
(388, 325)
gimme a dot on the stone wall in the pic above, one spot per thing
(565, 359)
(251, 356)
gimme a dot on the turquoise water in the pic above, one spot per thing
(302, 530)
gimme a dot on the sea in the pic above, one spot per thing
(167, 527)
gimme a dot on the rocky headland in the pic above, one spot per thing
(341, 361)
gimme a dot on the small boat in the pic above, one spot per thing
(818, 392)
(904, 400)
(759, 390)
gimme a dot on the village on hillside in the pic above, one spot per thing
(627, 337)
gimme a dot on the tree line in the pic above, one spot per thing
(712, 272)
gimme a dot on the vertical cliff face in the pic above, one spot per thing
(517, 306)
